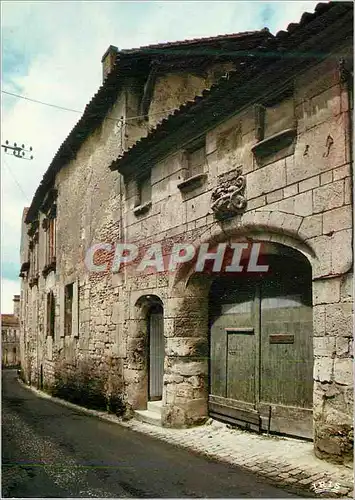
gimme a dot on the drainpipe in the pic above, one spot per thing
(346, 79)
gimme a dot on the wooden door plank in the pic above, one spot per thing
(156, 356)
(286, 336)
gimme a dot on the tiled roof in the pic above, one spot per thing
(194, 41)
(9, 320)
(96, 110)
(103, 100)
(282, 41)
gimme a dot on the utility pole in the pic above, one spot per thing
(17, 151)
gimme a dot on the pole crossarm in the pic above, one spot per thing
(17, 151)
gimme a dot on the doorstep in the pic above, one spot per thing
(152, 415)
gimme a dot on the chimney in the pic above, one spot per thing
(108, 61)
(16, 300)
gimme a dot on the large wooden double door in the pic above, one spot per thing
(261, 354)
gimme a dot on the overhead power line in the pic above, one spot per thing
(15, 180)
(36, 101)
(40, 102)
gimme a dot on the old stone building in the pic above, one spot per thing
(235, 140)
(10, 336)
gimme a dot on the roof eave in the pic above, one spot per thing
(137, 155)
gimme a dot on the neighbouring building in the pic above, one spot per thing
(243, 138)
(10, 336)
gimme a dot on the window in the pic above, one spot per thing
(49, 226)
(68, 309)
(50, 240)
(276, 117)
(275, 129)
(196, 159)
(68, 320)
(33, 252)
(50, 314)
(34, 257)
(144, 191)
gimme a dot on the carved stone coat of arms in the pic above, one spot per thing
(228, 197)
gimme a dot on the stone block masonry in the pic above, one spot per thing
(296, 201)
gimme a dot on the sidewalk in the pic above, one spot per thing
(283, 461)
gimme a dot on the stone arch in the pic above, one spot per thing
(186, 377)
(264, 226)
(145, 302)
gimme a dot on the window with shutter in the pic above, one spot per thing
(279, 117)
(50, 314)
(143, 193)
(275, 129)
(196, 159)
(68, 309)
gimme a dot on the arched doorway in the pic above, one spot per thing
(150, 323)
(156, 352)
(261, 346)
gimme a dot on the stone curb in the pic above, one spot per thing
(291, 477)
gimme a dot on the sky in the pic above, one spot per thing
(51, 52)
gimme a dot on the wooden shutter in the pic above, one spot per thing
(61, 311)
(45, 316)
(75, 309)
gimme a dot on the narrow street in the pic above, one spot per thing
(52, 451)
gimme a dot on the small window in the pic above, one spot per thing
(279, 117)
(50, 231)
(50, 314)
(274, 116)
(275, 129)
(14, 350)
(68, 309)
(144, 191)
(196, 159)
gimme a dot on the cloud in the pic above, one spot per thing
(52, 52)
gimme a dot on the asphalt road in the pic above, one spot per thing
(52, 451)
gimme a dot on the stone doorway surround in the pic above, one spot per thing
(137, 373)
(185, 394)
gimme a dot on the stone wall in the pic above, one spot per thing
(90, 210)
(302, 199)
(173, 89)
(10, 346)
